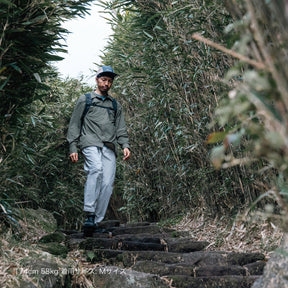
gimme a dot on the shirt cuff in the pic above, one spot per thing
(73, 148)
(125, 146)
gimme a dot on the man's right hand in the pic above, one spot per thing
(74, 157)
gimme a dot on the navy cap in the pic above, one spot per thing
(106, 71)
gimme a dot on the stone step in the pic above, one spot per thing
(184, 245)
(117, 244)
(131, 243)
(137, 231)
(164, 269)
(169, 257)
(136, 246)
(134, 224)
(182, 281)
(109, 224)
(113, 276)
(256, 268)
(198, 259)
(151, 229)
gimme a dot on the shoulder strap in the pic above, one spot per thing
(114, 106)
(114, 103)
(87, 106)
(89, 103)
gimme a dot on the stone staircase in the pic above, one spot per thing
(147, 255)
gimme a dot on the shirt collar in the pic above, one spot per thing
(100, 96)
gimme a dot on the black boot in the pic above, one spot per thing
(89, 226)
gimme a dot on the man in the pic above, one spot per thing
(97, 135)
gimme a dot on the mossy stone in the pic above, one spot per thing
(53, 237)
(37, 220)
(55, 248)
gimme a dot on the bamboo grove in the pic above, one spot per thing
(171, 84)
(203, 84)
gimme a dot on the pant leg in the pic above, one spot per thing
(94, 170)
(109, 169)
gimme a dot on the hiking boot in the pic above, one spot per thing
(89, 222)
(89, 226)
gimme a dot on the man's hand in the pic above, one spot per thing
(74, 157)
(127, 153)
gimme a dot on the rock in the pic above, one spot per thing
(181, 281)
(199, 258)
(25, 284)
(160, 235)
(255, 268)
(47, 274)
(128, 242)
(105, 255)
(109, 224)
(163, 269)
(276, 270)
(244, 258)
(73, 243)
(219, 270)
(37, 221)
(135, 224)
(54, 248)
(53, 237)
(155, 254)
(140, 229)
(71, 232)
(113, 276)
(185, 245)
(143, 246)
(129, 258)
(149, 239)
(98, 243)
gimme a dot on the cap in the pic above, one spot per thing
(106, 71)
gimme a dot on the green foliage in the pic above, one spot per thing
(256, 107)
(33, 114)
(8, 215)
(170, 84)
(29, 41)
(40, 173)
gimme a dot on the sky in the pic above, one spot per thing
(87, 39)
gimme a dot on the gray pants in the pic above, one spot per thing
(100, 167)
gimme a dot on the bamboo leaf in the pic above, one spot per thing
(147, 34)
(7, 2)
(216, 137)
(37, 77)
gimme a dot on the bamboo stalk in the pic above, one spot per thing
(258, 65)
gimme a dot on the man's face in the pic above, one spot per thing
(104, 83)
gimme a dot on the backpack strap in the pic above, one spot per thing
(87, 106)
(114, 104)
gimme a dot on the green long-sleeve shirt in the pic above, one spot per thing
(100, 125)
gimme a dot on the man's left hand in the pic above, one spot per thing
(127, 153)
